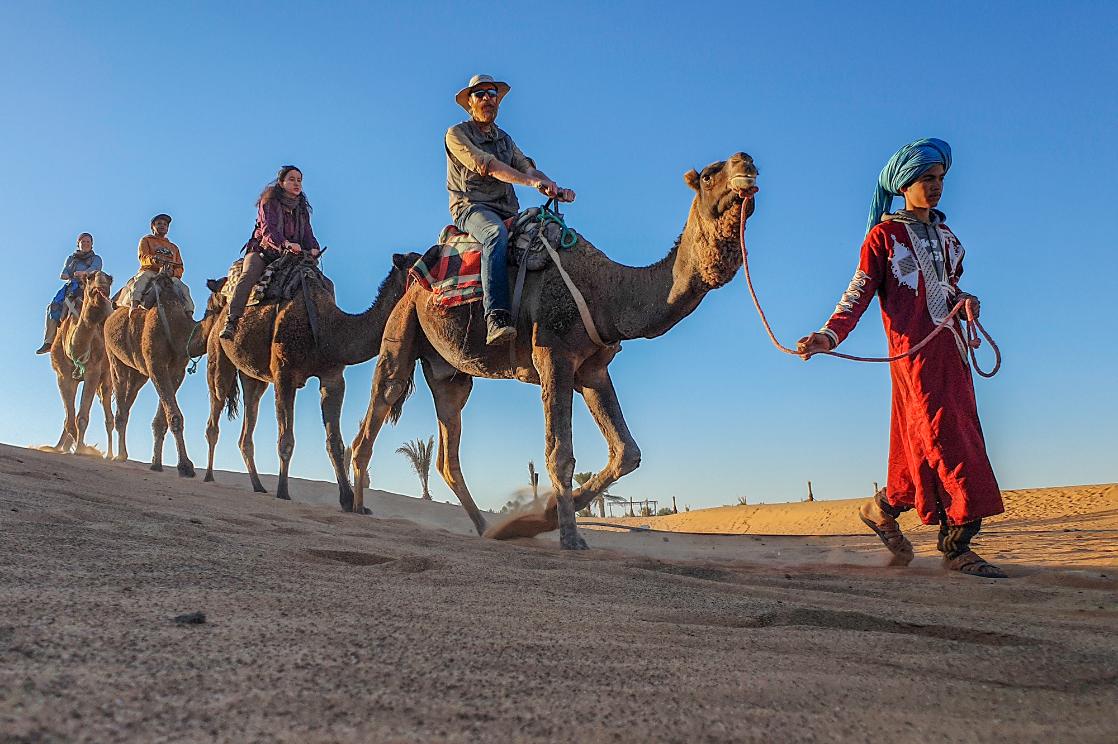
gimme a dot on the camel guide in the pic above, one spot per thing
(937, 456)
(79, 263)
(283, 224)
(156, 252)
(482, 164)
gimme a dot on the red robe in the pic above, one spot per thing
(936, 449)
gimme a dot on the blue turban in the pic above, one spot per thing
(906, 165)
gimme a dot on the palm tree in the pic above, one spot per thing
(582, 478)
(419, 454)
(534, 478)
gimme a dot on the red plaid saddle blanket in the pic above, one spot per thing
(451, 269)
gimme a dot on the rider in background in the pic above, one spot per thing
(482, 163)
(937, 455)
(283, 224)
(155, 252)
(79, 263)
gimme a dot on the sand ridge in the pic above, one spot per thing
(324, 626)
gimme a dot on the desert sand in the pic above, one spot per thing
(405, 627)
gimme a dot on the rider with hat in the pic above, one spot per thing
(482, 164)
(156, 252)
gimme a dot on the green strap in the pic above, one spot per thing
(193, 366)
(567, 238)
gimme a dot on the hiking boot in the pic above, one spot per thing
(45, 348)
(229, 330)
(498, 324)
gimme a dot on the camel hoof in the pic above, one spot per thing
(208, 477)
(576, 544)
(157, 467)
(283, 496)
(260, 489)
(186, 470)
(120, 458)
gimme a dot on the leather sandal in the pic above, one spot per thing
(886, 528)
(972, 564)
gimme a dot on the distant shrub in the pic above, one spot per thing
(665, 512)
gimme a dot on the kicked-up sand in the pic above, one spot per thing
(405, 627)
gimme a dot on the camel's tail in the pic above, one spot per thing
(398, 406)
(232, 399)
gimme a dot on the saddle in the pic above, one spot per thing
(451, 269)
(282, 279)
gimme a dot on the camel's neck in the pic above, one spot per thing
(196, 346)
(353, 339)
(90, 323)
(648, 302)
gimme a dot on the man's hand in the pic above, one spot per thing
(566, 195)
(808, 346)
(79, 275)
(293, 247)
(548, 188)
(972, 306)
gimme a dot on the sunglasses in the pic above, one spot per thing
(483, 92)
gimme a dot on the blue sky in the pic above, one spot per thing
(114, 112)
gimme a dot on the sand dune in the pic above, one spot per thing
(323, 626)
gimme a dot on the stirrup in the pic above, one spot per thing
(230, 329)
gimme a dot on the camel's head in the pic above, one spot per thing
(722, 190)
(217, 299)
(96, 287)
(97, 283)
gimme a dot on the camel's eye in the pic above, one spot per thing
(707, 178)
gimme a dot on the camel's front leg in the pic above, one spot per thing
(451, 393)
(557, 385)
(167, 385)
(221, 379)
(624, 454)
(285, 420)
(253, 390)
(81, 422)
(332, 393)
(392, 381)
(67, 390)
(105, 393)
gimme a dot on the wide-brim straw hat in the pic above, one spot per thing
(478, 81)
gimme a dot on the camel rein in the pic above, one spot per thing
(973, 327)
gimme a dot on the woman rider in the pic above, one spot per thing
(79, 263)
(283, 224)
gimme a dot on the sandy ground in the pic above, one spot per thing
(403, 627)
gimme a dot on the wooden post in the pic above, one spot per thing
(810, 495)
(674, 510)
(875, 488)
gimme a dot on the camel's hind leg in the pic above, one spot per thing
(332, 392)
(451, 393)
(167, 385)
(221, 379)
(253, 390)
(126, 386)
(392, 382)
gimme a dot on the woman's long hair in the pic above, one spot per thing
(273, 189)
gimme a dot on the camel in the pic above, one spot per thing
(274, 344)
(78, 356)
(554, 350)
(152, 344)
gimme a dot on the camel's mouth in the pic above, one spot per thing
(745, 186)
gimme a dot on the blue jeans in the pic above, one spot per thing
(487, 228)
